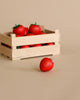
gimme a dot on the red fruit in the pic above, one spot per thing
(44, 44)
(25, 46)
(18, 35)
(51, 43)
(26, 30)
(41, 33)
(36, 45)
(30, 34)
(20, 30)
(35, 29)
(46, 64)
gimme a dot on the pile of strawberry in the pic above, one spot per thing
(33, 29)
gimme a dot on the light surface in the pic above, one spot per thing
(22, 80)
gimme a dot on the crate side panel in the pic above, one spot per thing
(27, 40)
(6, 51)
(36, 51)
(57, 49)
(5, 39)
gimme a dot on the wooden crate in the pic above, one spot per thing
(13, 53)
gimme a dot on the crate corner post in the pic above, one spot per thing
(13, 36)
(57, 48)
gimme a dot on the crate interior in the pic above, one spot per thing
(24, 46)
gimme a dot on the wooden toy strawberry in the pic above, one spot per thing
(20, 30)
(46, 64)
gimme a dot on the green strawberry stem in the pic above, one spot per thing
(28, 32)
(16, 26)
(51, 59)
(35, 23)
(17, 47)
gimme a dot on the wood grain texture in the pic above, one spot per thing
(36, 51)
(5, 39)
(36, 39)
(6, 51)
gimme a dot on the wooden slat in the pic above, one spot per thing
(5, 39)
(6, 51)
(36, 39)
(35, 51)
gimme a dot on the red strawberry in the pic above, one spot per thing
(25, 46)
(46, 64)
(36, 45)
(20, 30)
(51, 43)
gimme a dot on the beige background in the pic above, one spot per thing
(22, 80)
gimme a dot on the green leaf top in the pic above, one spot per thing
(16, 26)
